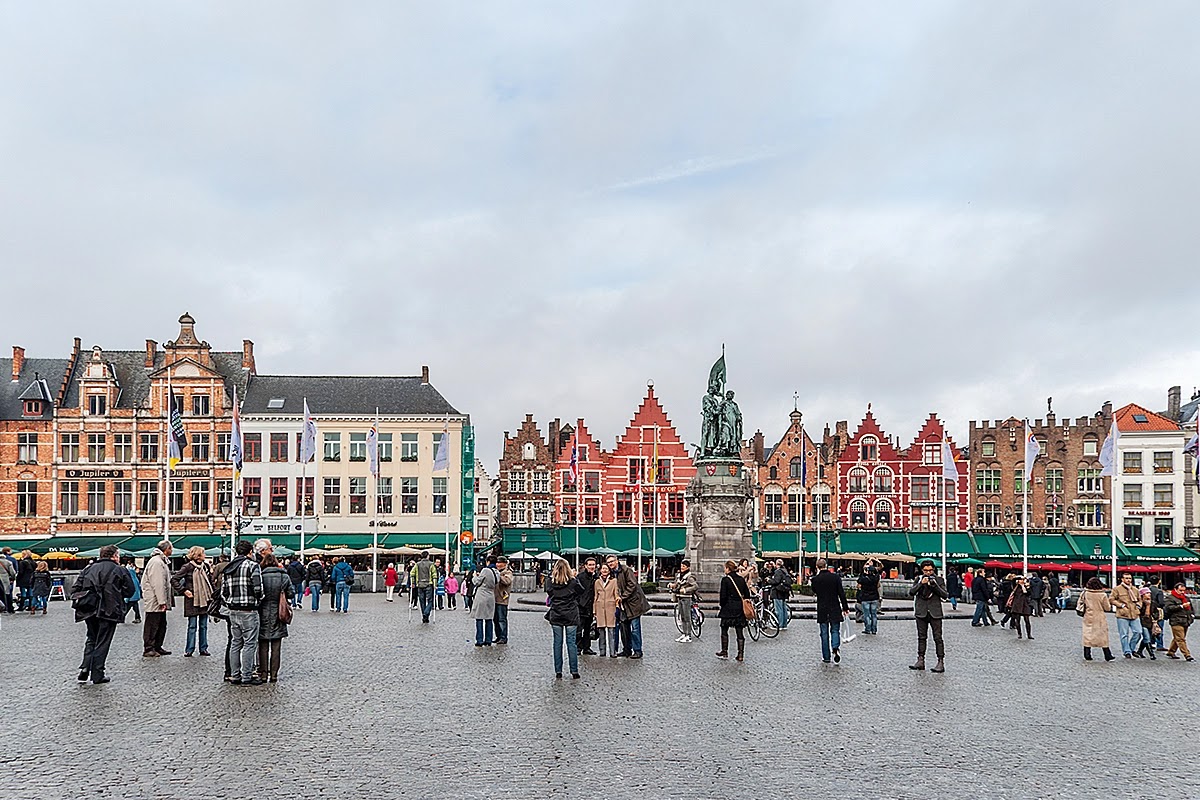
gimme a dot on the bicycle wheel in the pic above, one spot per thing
(678, 619)
(769, 623)
(752, 627)
(697, 622)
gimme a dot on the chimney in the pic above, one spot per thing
(425, 375)
(1173, 397)
(151, 352)
(1106, 409)
(18, 362)
(760, 450)
(552, 437)
(248, 355)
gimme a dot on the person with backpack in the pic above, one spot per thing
(315, 575)
(425, 579)
(134, 601)
(99, 601)
(343, 579)
(781, 589)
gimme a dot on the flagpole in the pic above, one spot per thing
(945, 490)
(167, 462)
(446, 503)
(803, 492)
(641, 494)
(1112, 491)
(303, 476)
(578, 493)
(1025, 509)
(375, 512)
(654, 516)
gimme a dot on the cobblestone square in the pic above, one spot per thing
(373, 703)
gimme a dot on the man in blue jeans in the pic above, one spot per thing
(781, 589)
(981, 593)
(504, 582)
(868, 596)
(343, 579)
(426, 582)
(832, 608)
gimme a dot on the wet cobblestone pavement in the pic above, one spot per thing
(373, 703)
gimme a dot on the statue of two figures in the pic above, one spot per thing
(721, 427)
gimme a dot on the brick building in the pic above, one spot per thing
(783, 502)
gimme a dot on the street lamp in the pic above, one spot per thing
(234, 526)
(524, 537)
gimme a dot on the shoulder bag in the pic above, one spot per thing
(285, 608)
(747, 603)
(1080, 607)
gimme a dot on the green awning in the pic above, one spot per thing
(866, 542)
(929, 545)
(74, 544)
(784, 541)
(332, 541)
(992, 545)
(1161, 554)
(1047, 546)
(1086, 544)
(21, 543)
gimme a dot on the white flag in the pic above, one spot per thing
(1108, 452)
(1193, 445)
(1032, 449)
(373, 450)
(441, 459)
(308, 440)
(949, 470)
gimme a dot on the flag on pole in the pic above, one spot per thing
(1032, 450)
(573, 470)
(1193, 446)
(1108, 451)
(373, 449)
(441, 459)
(652, 477)
(308, 440)
(235, 438)
(949, 469)
(176, 436)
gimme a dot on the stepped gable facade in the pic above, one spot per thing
(869, 477)
(923, 492)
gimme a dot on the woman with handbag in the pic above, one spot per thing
(1178, 609)
(194, 582)
(562, 593)
(1093, 606)
(736, 608)
(274, 614)
(1020, 606)
(1147, 615)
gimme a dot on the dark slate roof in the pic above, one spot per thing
(345, 394)
(11, 392)
(1188, 410)
(133, 376)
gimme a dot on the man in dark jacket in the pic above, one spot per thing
(781, 589)
(981, 594)
(633, 606)
(295, 571)
(928, 591)
(25, 570)
(1053, 590)
(1158, 600)
(954, 587)
(1037, 591)
(832, 608)
(99, 599)
(587, 600)
(242, 591)
(868, 596)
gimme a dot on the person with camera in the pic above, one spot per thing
(684, 590)
(868, 595)
(781, 590)
(928, 591)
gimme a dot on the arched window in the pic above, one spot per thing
(858, 512)
(883, 480)
(868, 449)
(857, 480)
(883, 513)
(796, 468)
(773, 472)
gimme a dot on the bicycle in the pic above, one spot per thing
(697, 617)
(765, 622)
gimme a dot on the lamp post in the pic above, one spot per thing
(234, 526)
(524, 538)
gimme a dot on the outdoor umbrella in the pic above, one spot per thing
(971, 562)
(602, 551)
(663, 553)
(1136, 568)
(1083, 566)
(1164, 568)
(402, 550)
(523, 555)
(545, 555)
(1189, 568)
(59, 555)
(340, 551)
(993, 564)
(1051, 567)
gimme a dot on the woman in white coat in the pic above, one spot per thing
(483, 606)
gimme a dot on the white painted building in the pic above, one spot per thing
(1149, 483)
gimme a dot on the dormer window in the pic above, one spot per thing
(97, 405)
(868, 449)
(33, 408)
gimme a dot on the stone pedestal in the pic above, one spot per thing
(718, 520)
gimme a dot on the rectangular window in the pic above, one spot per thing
(919, 489)
(1131, 463)
(201, 405)
(333, 496)
(27, 448)
(122, 498)
(516, 482)
(1164, 462)
(987, 449)
(795, 508)
(439, 495)
(175, 497)
(1164, 531)
(1164, 495)
(648, 509)
(1019, 480)
(541, 512)
(663, 474)
(987, 481)
(1090, 446)
(69, 498)
(591, 511)
(868, 451)
(674, 508)
(481, 505)
(1133, 530)
(96, 448)
(147, 498)
(305, 487)
(567, 484)
(481, 530)
(1019, 511)
(583, 453)
(591, 482)
(883, 482)
(772, 508)
(541, 482)
(1054, 480)
(333, 447)
(922, 519)
(1090, 481)
(123, 448)
(383, 494)
(224, 495)
(637, 470)
(279, 447)
(932, 454)
(624, 507)
(358, 495)
(95, 500)
(279, 497)
(1054, 515)
(148, 447)
(569, 513)
(987, 515)
(199, 447)
(200, 496)
(385, 447)
(408, 495)
(517, 513)
(97, 405)
(70, 447)
(358, 447)
(1132, 495)
(27, 492)
(252, 445)
(223, 440)
(408, 447)
(1090, 515)
(251, 496)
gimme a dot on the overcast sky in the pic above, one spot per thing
(951, 207)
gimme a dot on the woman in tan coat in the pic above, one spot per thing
(1095, 605)
(605, 608)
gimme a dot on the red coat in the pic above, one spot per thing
(389, 576)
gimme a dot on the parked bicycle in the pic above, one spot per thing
(765, 622)
(697, 617)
